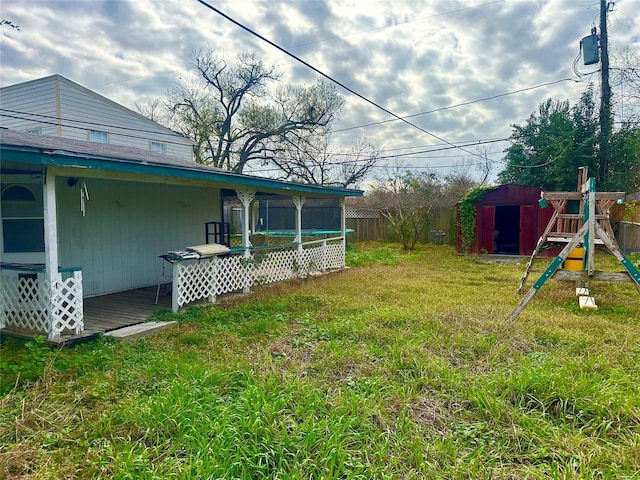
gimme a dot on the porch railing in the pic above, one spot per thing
(205, 280)
(30, 301)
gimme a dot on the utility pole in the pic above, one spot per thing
(605, 97)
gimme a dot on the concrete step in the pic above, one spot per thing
(133, 332)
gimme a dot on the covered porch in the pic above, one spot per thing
(31, 305)
(81, 224)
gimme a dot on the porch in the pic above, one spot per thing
(31, 304)
(105, 313)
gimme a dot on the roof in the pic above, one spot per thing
(47, 150)
(57, 78)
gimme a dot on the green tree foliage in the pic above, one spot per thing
(547, 151)
(557, 139)
(624, 171)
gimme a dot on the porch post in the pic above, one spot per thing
(343, 229)
(50, 228)
(51, 274)
(298, 201)
(246, 198)
(175, 285)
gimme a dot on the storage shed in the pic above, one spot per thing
(508, 221)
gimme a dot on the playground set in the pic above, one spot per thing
(579, 233)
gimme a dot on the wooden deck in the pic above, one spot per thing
(110, 312)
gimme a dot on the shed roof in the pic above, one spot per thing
(44, 150)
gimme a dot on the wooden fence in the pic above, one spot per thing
(441, 228)
(628, 236)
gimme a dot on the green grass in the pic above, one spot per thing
(400, 367)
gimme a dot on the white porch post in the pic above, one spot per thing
(246, 198)
(50, 228)
(343, 229)
(175, 285)
(50, 246)
(298, 201)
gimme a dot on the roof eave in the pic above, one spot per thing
(60, 158)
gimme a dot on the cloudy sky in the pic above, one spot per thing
(412, 57)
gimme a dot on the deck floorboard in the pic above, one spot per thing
(110, 312)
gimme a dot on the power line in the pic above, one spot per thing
(401, 155)
(470, 102)
(328, 77)
(59, 121)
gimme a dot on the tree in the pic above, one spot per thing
(406, 199)
(236, 120)
(624, 172)
(625, 79)
(555, 141)
(315, 161)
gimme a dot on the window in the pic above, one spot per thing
(37, 131)
(22, 219)
(98, 137)
(159, 147)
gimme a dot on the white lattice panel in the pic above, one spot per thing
(66, 302)
(25, 303)
(195, 281)
(37, 305)
(231, 275)
(204, 280)
(335, 255)
(274, 266)
(313, 259)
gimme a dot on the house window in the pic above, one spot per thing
(22, 219)
(98, 136)
(37, 131)
(159, 147)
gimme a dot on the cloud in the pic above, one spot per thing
(409, 56)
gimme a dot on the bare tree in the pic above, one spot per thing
(625, 75)
(235, 119)
(406, 200)
(153, 110)
(315, 161)
(484, 166)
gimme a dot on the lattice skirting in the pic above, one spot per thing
(36, 304)
(205, 280)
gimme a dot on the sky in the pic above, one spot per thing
(433, 61)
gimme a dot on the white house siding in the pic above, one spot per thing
(126, 226)
(82, 110)
(124, 126)
(33, 98)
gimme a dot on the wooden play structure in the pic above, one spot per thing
(579, 232)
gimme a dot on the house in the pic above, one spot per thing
(84, 219)
(508, 220)
(57, 106)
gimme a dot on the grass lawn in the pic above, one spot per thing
(401, 367)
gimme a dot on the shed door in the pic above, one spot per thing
(528, 232)
(487, 227)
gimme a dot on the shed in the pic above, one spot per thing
(508, 221)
